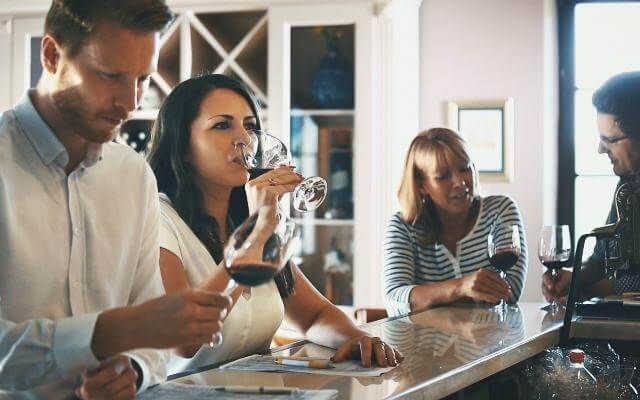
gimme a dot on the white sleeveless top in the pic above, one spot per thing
(252, 322)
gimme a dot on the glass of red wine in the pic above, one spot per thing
(266, 152)
(554, 252)
(257, 250)
(503, 245)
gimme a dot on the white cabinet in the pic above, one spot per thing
(356, 139)
(22, 52)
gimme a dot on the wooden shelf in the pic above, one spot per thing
(229, 28)
(204, 57)
(144, 115)
(300, 112)
(323, 222)
(169, 60)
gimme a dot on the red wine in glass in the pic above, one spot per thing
(554, 264)
(503, 245)
(554, 252)
(266, 150)
(252, 274)
(256, 172)
(504, 260)
(257, 250)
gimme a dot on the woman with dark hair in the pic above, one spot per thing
(205, 193)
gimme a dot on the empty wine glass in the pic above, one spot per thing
(554, 252)
(257, 250)
(266, 152)
(503, 245)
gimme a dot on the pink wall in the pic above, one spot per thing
(488, 49)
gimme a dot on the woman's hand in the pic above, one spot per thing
(368, 349)
(267, 189)
(484, 285)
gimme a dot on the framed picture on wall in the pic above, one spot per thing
(487, 127)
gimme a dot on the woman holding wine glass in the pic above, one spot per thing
(197, 155)
(437, 248)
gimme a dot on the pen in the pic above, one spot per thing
(256, 389)
(308, 363)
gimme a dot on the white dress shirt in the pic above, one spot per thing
(252, 322)
(70, 247)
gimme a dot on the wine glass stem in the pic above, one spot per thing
(231, 286)
(503, 275)
(216, 338)
(553, 305)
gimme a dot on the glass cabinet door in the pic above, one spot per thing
(321, 140)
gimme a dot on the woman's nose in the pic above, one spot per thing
(243, 137)
(458, 180)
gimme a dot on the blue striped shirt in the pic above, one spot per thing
(408, 263)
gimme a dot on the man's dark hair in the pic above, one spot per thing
(72, 22)
(620, 97)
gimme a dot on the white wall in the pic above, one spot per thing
(5, 64)
(475, 50)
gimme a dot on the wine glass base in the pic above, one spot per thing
(553, 307)
(309, 194)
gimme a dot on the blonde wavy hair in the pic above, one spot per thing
(429, 150)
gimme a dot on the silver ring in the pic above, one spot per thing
(272, 182)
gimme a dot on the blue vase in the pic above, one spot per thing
(332, 83)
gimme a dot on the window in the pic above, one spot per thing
(598, 39)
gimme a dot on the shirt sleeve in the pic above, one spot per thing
(168, 235)
(147, 283)
(42, 351)
(598, 251)
(398, 269)
(509, 214)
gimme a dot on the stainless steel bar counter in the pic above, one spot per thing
(446, 349)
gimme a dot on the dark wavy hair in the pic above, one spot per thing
(620, 97)
(171, 135)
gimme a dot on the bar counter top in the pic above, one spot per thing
(446, 349)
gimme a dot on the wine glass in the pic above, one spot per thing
(554, 252)
(266, 152)
(503, 245)
(257, 250)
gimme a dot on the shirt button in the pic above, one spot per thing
(76, 231)
(76, 285)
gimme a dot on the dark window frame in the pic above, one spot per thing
(566, 118)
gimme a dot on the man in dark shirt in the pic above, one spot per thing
(618, 105)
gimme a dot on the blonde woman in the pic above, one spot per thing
(436, 245)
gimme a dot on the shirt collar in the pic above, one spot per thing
(45, 142)
(38, 132)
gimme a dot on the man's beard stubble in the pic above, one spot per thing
(77, 115)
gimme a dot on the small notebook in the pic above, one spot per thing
(179, 391)
(268, 364)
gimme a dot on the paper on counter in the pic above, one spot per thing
(267, 364)
(179, 391)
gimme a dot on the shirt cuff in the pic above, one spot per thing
(72, 345)
(142, 369)
(398, 303)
